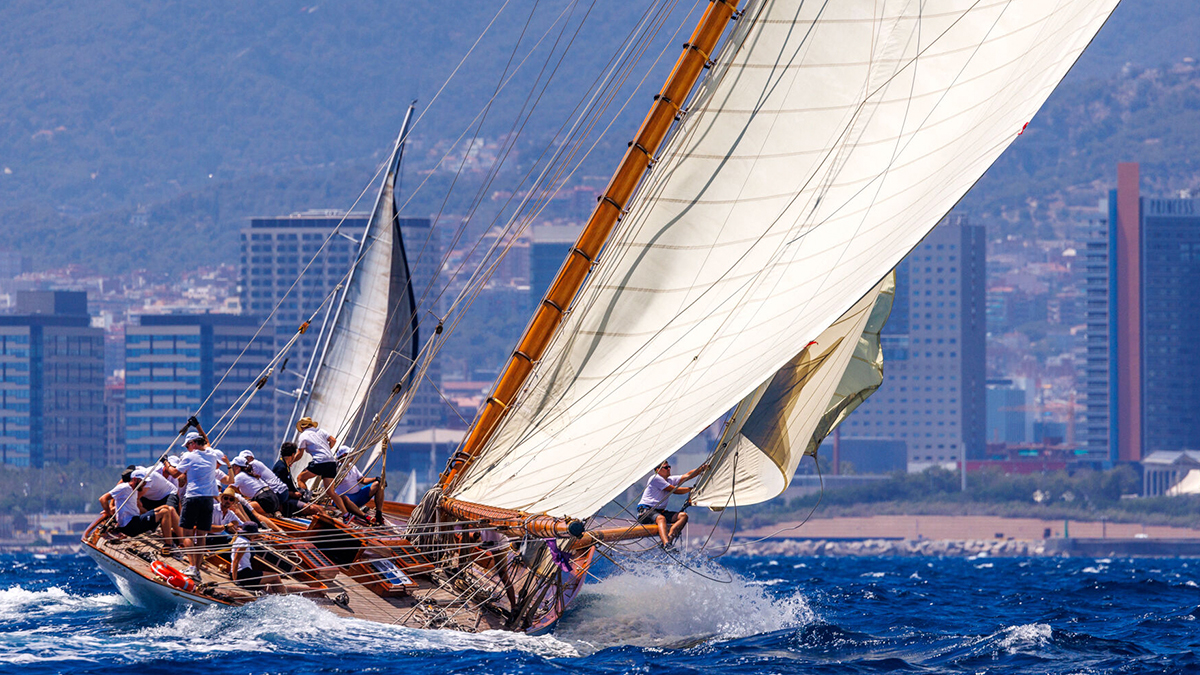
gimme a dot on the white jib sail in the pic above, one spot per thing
(829, 138)
(792, 412)
(372, 341)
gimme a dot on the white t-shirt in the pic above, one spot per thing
(248, 485)
(350, 482)
(268, 476)
(242, 544)
(162, 471)
(656, 494)
(223, 518)
(200, 467)
(125, 503)
(318, 443)
(157, 486)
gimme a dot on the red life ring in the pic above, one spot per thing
(173, 576)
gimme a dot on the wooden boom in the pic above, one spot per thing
(544, 526)
(612, 204)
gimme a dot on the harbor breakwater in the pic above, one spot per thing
(896, 547)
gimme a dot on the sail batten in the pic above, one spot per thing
(757, 230)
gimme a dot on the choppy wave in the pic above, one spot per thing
(817, 615)
(675, 606)
(19, 604)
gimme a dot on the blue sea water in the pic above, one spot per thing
(745, 615)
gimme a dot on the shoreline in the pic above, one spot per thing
(972, 548)
(965, 536)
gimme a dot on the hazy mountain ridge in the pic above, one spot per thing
(288, 105)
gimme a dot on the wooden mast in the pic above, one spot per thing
(637, 161)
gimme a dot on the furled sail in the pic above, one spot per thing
(825, 142)
(789, 415)
(371, 341)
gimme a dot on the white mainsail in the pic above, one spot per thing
(371, 340)
(826, 141)
(790, 414)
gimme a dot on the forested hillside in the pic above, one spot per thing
(203, 114)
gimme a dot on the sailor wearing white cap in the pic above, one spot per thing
(200, 484)
(252, 488)
(157, 490)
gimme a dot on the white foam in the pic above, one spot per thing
(1027, 636)
(667, 605)
(282, 622)
(17, 603)
(275, 624)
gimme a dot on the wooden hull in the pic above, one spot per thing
(147, 592)
(363, 573)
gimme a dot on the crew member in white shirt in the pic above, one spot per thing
(262, 498)
(241, 568)
(354, 491)
(265, 474)
(123, 502)
(198, 480)
(158, 490)
(652, 506)
(318, 443)
(168, 471)
(225, 521)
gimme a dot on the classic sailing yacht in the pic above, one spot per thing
(739, 258)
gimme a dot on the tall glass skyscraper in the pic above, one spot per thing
(174, 362)
(51, 381)
(275, 250)
(934, 395)
(1142, 376)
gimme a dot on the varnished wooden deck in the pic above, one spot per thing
(427, 606)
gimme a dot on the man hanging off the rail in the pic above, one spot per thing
(158, 490)
(651, 508)
(123, 502)
(354, 492)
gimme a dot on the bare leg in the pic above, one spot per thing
(307, 509)
(258, 509)
(677, 526)
(377, 493)
(661, 521)
(166, 526)
(350, 506)
(194, 556)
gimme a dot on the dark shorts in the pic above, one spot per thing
(171, 500)
(648, 516)
(218, 539)
(289, 506)
(360, 497)
(197, 513)
(268, 500)
(139, 525)
(323, 469)
(249, 578)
